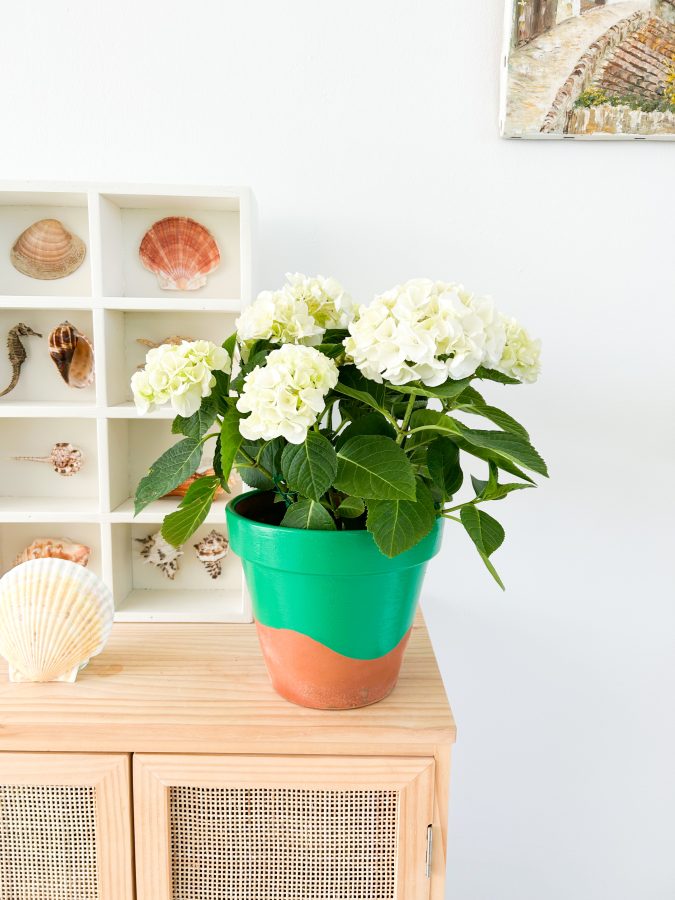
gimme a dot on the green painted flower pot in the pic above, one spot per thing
(333, 613)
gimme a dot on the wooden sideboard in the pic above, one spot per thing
(172, 771)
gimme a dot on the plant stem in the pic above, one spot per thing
(256, 464)
(403, 431)
(474, 502)
(452, 518)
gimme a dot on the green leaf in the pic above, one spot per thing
(508, 450)
(472, 402)
(166, 473)
(398, 525)
(197, 425)
(511, 447)
(332, 350)
(446, 391)
(193, 510)
(444, 468)
(230, 344)
(491, 489)
(351, 508)
(369, 423)
(355, 394)
(230, 441)
(355, 385)
(486, 533)
(308, 514)
(309, 468)
(335, 335)
(375, 467)
(494, 375)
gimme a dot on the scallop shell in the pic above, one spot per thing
(183, 488)
(73, 355)
(158, 552)
(47, 250)
(54, 616)
(211, 551)
(174, 339)
(180, 252)
(55, 548)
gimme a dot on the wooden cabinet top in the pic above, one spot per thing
(172, 688)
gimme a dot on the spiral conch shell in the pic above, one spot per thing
(156, 551)
(73, 355)
(55, 548)
(54, 616)
(211, 551)
(47, 250)
(64, 459)
(180, 252)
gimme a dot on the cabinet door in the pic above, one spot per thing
(282, 828)
(65, 827)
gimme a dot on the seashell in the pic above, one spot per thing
(73, 355)
(17, 352)
(175, 339)
(64, 459)
(183, 488)
(54, 616)
(158, 552)
(55, 548)
(47, 250)
(211, 551)
(180, 252)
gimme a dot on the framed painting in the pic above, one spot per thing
(589, 69)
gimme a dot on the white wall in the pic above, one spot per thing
(368, 131)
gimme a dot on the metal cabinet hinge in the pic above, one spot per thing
(430, 850)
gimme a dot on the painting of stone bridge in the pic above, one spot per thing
(589, 68)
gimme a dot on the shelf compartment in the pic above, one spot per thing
(124, 355)
(18, 210)
(124, 219)
(40, 380)
(15, 537)
(144, 593)
(35, 482)
(133, 446)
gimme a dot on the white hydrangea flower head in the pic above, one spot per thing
(326, 300)
(180, 374)
(521, 358)
(427, 331)
(285, 396)
(299, 313)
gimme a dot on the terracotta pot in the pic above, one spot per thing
(333, 613)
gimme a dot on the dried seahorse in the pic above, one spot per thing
(17, 352)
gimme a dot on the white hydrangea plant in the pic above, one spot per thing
(351, 418)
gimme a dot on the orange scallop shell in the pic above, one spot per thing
(47, 250)
(180, 252)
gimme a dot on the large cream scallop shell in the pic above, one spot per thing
(47, 250)
(73, 355)
(54, 616)
(180, 252)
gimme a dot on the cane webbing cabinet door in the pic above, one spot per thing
(65, 827)
(282, 828)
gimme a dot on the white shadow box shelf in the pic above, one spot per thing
(15, 537)
(114, 301)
